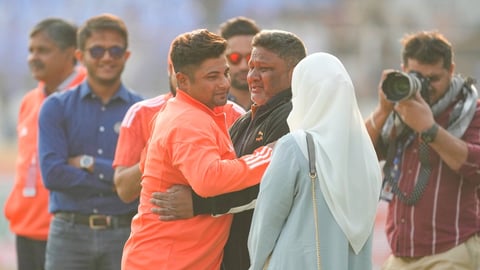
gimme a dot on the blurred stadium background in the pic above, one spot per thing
(363, 34)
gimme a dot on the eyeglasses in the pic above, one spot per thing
(98, 52)
(235, 57)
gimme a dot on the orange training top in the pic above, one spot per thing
(27, 205)
(137, 124)
(190, 145)
(135, 130)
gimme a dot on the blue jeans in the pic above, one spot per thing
(77, 247)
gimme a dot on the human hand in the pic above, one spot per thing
(385, 105)
(415, 113)
(174, 204)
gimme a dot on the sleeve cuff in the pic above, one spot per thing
(201, 205)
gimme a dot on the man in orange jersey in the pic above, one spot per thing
(52, 62)
(190, 145)
(134, 134)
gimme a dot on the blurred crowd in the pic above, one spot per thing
(364, 34)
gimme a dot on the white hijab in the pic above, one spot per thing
(324, 104)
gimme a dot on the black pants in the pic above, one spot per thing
(235, 253)
(30, 253)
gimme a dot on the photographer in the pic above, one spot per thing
(430, 141)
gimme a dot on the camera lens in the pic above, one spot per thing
(398, 86)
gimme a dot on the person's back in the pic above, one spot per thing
(322, 219)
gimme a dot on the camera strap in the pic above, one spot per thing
(392, 170)
(464, 94)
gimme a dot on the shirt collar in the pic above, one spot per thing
(63, 85)
(86, 91)
(66, 83)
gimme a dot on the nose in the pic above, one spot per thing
(32, 55)
(106, 55)
(252, 74)
(243, 64)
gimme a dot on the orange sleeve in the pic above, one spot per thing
(210, 166)
(131, 139)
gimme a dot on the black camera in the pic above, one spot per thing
(399, 86)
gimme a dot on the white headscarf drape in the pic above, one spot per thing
(324, 104)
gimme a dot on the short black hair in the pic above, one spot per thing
(238, 26)
(193, 48)
(427, 47)
(99, 23)
(285, 44)
(61, 32)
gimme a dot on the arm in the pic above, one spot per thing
(132, 140)
(180, 202)
(127, 182)
(416, 113)
(170, 209)
(57, 174)
(210, 170)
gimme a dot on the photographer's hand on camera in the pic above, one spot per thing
(386, 106)
(377, 118)
(415, 113)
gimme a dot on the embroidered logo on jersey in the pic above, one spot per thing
(259, 137)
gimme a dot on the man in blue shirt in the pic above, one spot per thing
(78, 132)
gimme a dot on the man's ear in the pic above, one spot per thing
(79, 55)
(183, 81)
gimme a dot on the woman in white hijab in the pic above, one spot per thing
(285, 229)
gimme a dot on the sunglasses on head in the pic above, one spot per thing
(235, 58)
(98, 52)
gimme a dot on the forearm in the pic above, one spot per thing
(233, 202)
(452, 151)
(209, 176)
(127, 182)
(68, 179)
(374, 124)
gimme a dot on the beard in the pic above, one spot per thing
(237, 83)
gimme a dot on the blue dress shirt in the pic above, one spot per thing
(73, 123)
